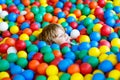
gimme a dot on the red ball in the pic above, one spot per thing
(98, 11)
(6, 34)
(34, 27)
(104, 42)
(38, 56)
(65, 44)
(85, 68)
(66, 9)
(86, 1)
(83, 31)
(12, 8)
(105, 30)
(3, 48)
(74, 25)
(56, 61)
(117, 21)
(20, 45)
(16, 11)
(68, 4)
(36, 3)
(101, 3)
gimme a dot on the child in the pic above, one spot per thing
(54, 33)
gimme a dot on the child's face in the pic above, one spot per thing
(62, 37)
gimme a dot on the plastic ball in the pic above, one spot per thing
(105, 30)
(104, 49)
(117, 66)
(20, 19)
(34, 27)
(46, 49)
(114, 49)
(11, 50)
(108, 14)
(97, 27)
(95, 36)
(113, 35)
(52, 68)
(74, 68)
(3, 48)
(35, 9)
(18, 77)
(24, 37)
(94, 44)
(82, 54)
(47, 17)
(29, 16)
(69, 55)
(112, 58)
(38, 17)
(14, 29)
(88, 21)
(114, 74)
(4, 75)
(115, 42)
(74, 25)
(84, 38)
(12, 17)
(53, 77)
(22, 62)
(6, 34)
(22, 54)
(77, 76)
(33, 64)
(48, 57)
(65, 76)
(15, 69)
(88, 77)
(86, 11)
(94, 52)
(3, 26)
(118, 57)
(24, 25)
(110, 22)
(41, 77)
(12, 57)
(61, 15)
(20, 45)
(3, 14)
(41, 44)
(70, 19)
(49, 9)
(104, 42)
(84, 46)
(28, 74)
(101, 76)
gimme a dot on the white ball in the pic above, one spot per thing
(11, 50)
(3, 26)
(3, 14)
(23, 12)
(74, 33)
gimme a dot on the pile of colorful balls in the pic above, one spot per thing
(95, 54)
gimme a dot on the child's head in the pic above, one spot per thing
(54, 33)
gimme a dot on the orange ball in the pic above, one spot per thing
(66, 13)
(77, 12)
(41, 69)
(26, 2)
(4, 6)
(27, 9)
(29, 16)
(33, 64)
(28, 31)
(6, 79)
(54, 19)
(93, 4)
(117, 66)
(10, 41)
(79, 1)
(57, 10)
(74, 68)
(48, 17)
(20, 19)
(54, 1)
(57, 53)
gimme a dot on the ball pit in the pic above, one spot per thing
(93, 25)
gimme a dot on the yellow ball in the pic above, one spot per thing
(54, 77)
(115, 42)
(114, 74)
(73, 15)
(4, 75)
(92, 16)
(61, 20)
(112, 58)
(92, 11)
(43, 1)
(1, 20)
(97, 71)
(94, 51)
(44, 4)
(112, 30)
(24, 36)
(51, 70)
(77, 76)
(97, 27)
(82, 17)
(22, 54)
(36, 33)
(14, 29)
(103, 57)
(84, 38)
(60, 73)
(104, 49)
(116, 2)
(88, 77)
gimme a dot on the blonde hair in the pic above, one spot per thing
(49, 32)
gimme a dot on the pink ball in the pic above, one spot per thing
(74, 25)
(105, 30)
(20, 45)
(3, 48)
(104, 42)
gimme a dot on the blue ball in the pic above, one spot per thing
(41, 44)
(108, 13)
(63, 1)
(68, 29)
(30, 55)
(98, 76)
(73, 5)
(16, 2)
(112, 36)
(59, 4)
(15, 69)
(25, 25)
(2, 1)
(69, 61)
(117, 9)
(116, 25)
(95, 36)
(12, 17)
(96, 20)
(74, 48)
(61, 15)
(28, 74)
(109, 53)
(110, 21)
(70, 19)
(84, 46)
(16, 36)
(118, 57)
(94, 43)
(105, 66)
(63, 65)
(55, 46)
(18, 77)
(70, 55)
(85, 59)
(80, 27)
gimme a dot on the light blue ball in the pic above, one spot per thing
(95, 36)
(28, 74)
(112, 36)
(18, 77)
(12, 17)
(25, 25)
(84, 46)
(94, 43)
(15, 69)
(70, 55)
(61, 15)
(98, 76)
(110, 21)
(59, 4)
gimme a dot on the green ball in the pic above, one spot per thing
(114, 49)
(45, 49)
(4, 65)
(38, 17)
(33, 38)
(49, 57)
(32, 48)
(109, 6)
(80, 6)
(116, 17)
(86, 11)
(65, 76)
(64, 24)
(22, 62)
(12, 57)
(77, 54)
(87, 21)
(32, 1)
(118, 32)
(9, 2)
(28, 43)
(44, 24)
(65, 50)
(90, 28)
(0, 57)
(103, 37)
(110, 79)
(21, 7)
(73, 1)
(35, 9)
(41, 77)
(42, 9)
(10, 24)
(49, 9)
(93, 61)
(82, 54)
(72, 10)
